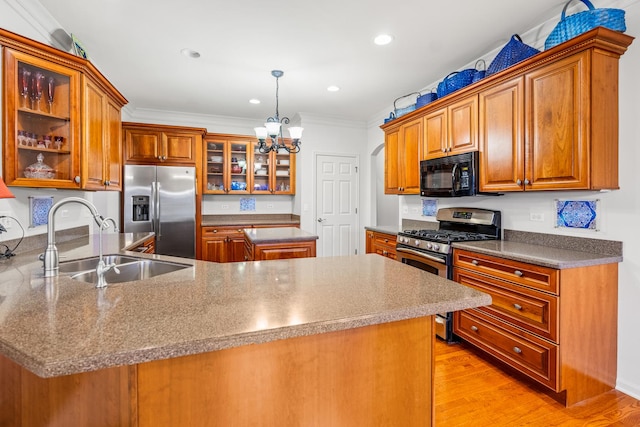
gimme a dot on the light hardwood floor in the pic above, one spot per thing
(471, 391)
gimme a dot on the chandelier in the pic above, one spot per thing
(272, 129)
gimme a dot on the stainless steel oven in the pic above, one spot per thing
(433, 263)
(431, 251)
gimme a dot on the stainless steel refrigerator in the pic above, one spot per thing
(162, 199)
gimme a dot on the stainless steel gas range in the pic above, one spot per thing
(431, 250)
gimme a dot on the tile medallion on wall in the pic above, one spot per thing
(581, 214)
(247, 204)
(39, 209)
(429, 207)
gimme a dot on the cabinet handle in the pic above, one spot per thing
(107, 183)
(475, 262)
(526, 181)
(518, 273)
(239, 230)
(77, 179)
(519, 181)
(517, 350)
(517, 306)
(215, 231)
(474, 328)
(386, 240)
(385, 253)
(444, 149)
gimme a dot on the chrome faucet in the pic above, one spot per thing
(50, 256)
(102, 267)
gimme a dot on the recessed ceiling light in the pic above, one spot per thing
(254, 101)
(383, 39)
(333, 88)
(189, 53)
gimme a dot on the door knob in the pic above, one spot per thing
(322, 219)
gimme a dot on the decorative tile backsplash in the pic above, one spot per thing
(247, 204)
(429, 207)
(39, 209)
(577, 214)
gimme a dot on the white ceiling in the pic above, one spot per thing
(136, 44)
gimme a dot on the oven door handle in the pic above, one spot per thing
(421, 254)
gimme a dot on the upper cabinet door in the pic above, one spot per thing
(161, 144)
(42, 122)
(502, 137)
(557, 133)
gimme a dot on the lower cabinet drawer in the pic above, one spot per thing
(530, 309)
(529, 354)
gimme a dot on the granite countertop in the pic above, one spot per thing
(389, 229)
(538, 254)
(277, 235)
(248, 220)
(58, 326)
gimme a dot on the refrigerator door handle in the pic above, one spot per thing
(157, 202)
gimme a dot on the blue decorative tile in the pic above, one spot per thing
(39, 209)
(429, 207)
(247, 204)
(577, 214)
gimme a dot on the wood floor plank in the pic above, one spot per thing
(470, 390)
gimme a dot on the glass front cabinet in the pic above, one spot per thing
(44, 116)
(234, 165)
(41, 127)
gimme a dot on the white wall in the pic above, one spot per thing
(619, 210)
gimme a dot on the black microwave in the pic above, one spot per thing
(451, 176)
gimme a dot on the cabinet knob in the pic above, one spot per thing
(475, 262)
(385, 253)
(517, 350)
(526, 181)
(215, 231)
(77, 179)
(519, 181)
(107, 183)
(386, 240)
(474, 328)
(517, 306)
(444, 150)
(518, 273)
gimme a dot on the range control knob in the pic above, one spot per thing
(429, 245)
(417, 242)
(436, 247)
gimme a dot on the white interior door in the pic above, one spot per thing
(336, 204)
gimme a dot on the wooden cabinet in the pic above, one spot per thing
(160, 144)
(452, 129)
(148, 246)
(59, 116)
(227, 163)
(530, 138)
(102, 135)
(222, 244)
(274, 172)
(381, 243)
(282, 250)
(557, 327)
(547, 123)
(402, 158)
(234, 165)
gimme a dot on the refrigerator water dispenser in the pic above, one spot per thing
(140, 206)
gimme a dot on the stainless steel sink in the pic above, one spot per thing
(85, 264)
(131, 268)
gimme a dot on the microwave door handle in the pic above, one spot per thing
(453, 177)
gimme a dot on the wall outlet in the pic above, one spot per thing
(536, 216)
(64, 213)
(225, 206)
(269, 205)
(405, 209)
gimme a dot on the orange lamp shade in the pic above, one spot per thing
(4, 191)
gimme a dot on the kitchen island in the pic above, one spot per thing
(315, 341)
(263, 244)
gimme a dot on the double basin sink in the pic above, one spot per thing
(131, 268)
